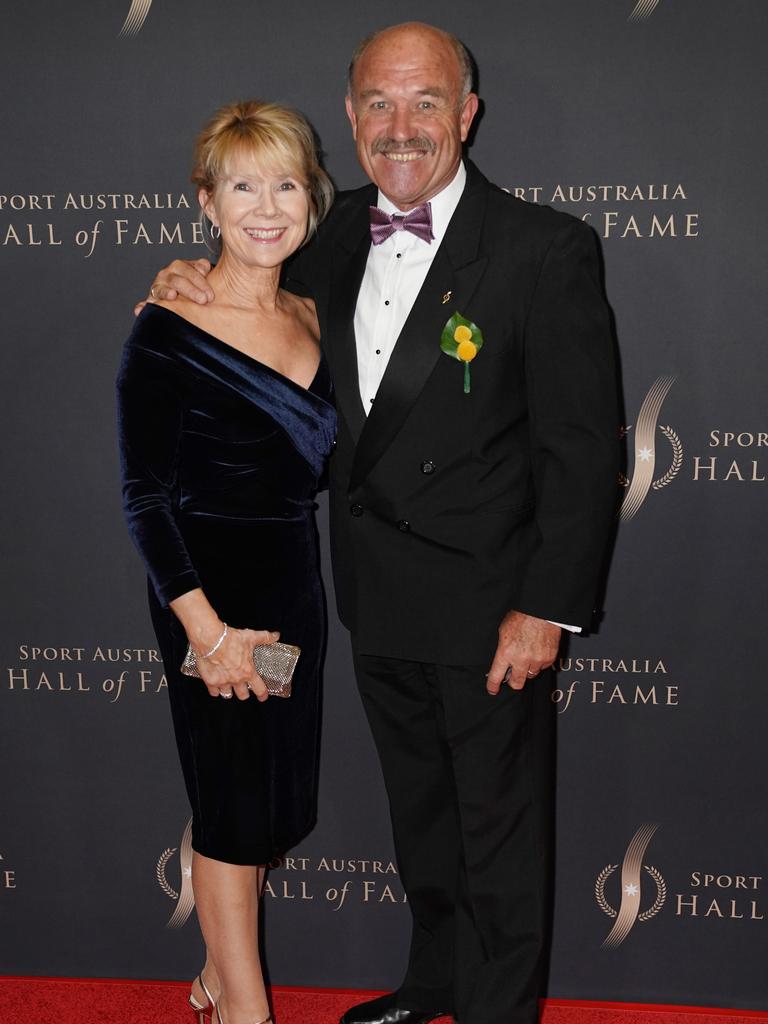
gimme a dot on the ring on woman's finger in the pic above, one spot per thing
(531, 672)
(226, 696)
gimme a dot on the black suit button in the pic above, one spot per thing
(403, 526)
(356, 510)
(428, 467)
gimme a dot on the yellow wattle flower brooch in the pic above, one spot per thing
(462, 340)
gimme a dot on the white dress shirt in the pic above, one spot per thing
(393, 277)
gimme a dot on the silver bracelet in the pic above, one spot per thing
(216, 646)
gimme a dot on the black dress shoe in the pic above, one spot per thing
(385, 1010)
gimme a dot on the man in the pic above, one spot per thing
(472, 493)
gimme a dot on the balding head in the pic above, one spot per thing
(410, 105)
(460, 52)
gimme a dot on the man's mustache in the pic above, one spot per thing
(385, 145)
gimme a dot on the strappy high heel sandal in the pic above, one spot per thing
(206, 1009)
(219, 1020)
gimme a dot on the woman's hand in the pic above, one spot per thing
(230, 669)
(185, 278)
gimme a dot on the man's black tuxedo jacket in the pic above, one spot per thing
(449, 509)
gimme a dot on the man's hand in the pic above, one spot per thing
(526, 646)
(182, 277)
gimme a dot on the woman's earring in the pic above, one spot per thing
(215, 231)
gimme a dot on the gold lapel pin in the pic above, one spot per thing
(446, 297)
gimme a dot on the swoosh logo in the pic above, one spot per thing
(630, 886)
(645, 447)
(643, 10)
(186, 897)
(136, 17)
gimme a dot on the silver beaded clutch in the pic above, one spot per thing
(275, 663)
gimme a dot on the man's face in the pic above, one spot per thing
(407, 116)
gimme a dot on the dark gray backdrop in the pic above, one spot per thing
(661, 712)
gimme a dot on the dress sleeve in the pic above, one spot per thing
(150, 404)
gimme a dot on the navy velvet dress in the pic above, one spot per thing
(221, 459)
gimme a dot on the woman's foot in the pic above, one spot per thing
(223, 1016)
(205, 991)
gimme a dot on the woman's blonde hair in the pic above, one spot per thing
(277, 136)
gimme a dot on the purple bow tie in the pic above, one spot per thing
(418, 222)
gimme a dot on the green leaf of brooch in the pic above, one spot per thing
(462, 340)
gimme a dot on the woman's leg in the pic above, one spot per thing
(227, 901)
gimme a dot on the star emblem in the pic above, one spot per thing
(632, 890)
(645, 454)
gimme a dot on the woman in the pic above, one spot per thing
(225, 424)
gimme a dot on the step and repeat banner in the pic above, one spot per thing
(645, 120)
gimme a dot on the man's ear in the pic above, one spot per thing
(467, 116)
(351, 114)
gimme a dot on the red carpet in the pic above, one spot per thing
(89, 1001)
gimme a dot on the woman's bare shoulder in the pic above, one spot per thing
(307, 303)
(304, 311)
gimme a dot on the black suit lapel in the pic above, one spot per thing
(457, 268)
(349, 254)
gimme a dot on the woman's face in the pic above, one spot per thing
(263, 213)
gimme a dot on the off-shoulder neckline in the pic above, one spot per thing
(238, 351)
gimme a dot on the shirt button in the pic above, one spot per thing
(399, 255)
(378, 351)
(403, 526)
(427, 467)
(356, 510)
(386, 302)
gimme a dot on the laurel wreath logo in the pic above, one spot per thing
(661, 895)
(677, 459)
(167, 888)
(646, 915)
(602, 878)
(185, 897)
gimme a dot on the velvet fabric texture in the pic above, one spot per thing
(221, 458)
